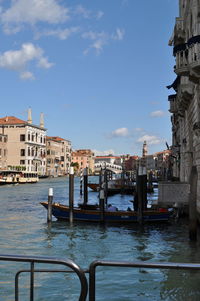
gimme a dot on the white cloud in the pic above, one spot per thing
(62, 34)
(103, 153)
(99, 15)
(86, 13)
(44, 63)
(17, 60)
(27, 75)
(32, 11)
(101, 39)
(157, 114)
(80, 10)
(139, 129)
(119, 35)
(121, 132)
(150, 139)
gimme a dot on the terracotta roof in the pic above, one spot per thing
(107, 157)
(12, 120)
(55, 138)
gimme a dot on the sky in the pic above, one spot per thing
(97, 69)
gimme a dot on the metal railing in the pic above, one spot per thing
(95, 264)
(74, 268)
(46, 260)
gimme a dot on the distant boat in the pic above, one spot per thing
(115, 186)
(61, 212)
(17, 177)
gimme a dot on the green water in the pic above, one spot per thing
(24, 231)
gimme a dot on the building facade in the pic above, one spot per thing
(3, 151)
(185, 100)
(83, 158)
(26, 143)
(58, 156)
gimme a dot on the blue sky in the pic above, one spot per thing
(98, 70)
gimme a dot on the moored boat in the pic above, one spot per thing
(17, 177)
(61, 212)
(115, 186)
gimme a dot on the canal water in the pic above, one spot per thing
(24, 231)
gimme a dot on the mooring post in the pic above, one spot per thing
(85, 180)
(71, 193)
(122, 181)
(81, 182)
(50, 201)
(150, 182)
(106, 187)
(140, 194)
(193, 204)
(144, 188)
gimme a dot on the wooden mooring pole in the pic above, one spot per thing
(49, 209)
(193, 204)
(81, 182)
(140, 194)
(85, 181)
(102, 195)
(71, 194)
(144, 188)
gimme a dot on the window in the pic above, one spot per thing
(22, 162)
(0, 151)
(29, 137)
(22, 152)
(22, 137)
(32, 152)
(4, 152)
(29, 152)
(0, 138)
(5, 139)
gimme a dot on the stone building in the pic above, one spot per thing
(3, 151)
(26, 143)
(83, 158)
(58, 156)
(185, 101)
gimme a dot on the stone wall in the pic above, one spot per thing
(171, 193)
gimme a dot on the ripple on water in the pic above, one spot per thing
(24, 231)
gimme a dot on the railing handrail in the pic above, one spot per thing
(50, 260)
(81, 273)
(151, 265)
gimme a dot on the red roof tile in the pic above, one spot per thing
(12, 120)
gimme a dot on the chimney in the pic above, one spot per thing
(42, 120)
(30, 116)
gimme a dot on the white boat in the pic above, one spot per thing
(20, 177)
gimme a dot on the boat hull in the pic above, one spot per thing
(113, 190)
(61, 212)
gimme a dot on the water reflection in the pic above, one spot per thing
(24, 231)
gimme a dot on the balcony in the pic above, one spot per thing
(173, 105)
(179, 32)
(181, 67)
(186, 92)
(194, 61)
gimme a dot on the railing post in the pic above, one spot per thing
(92, 282)
(32, 282)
